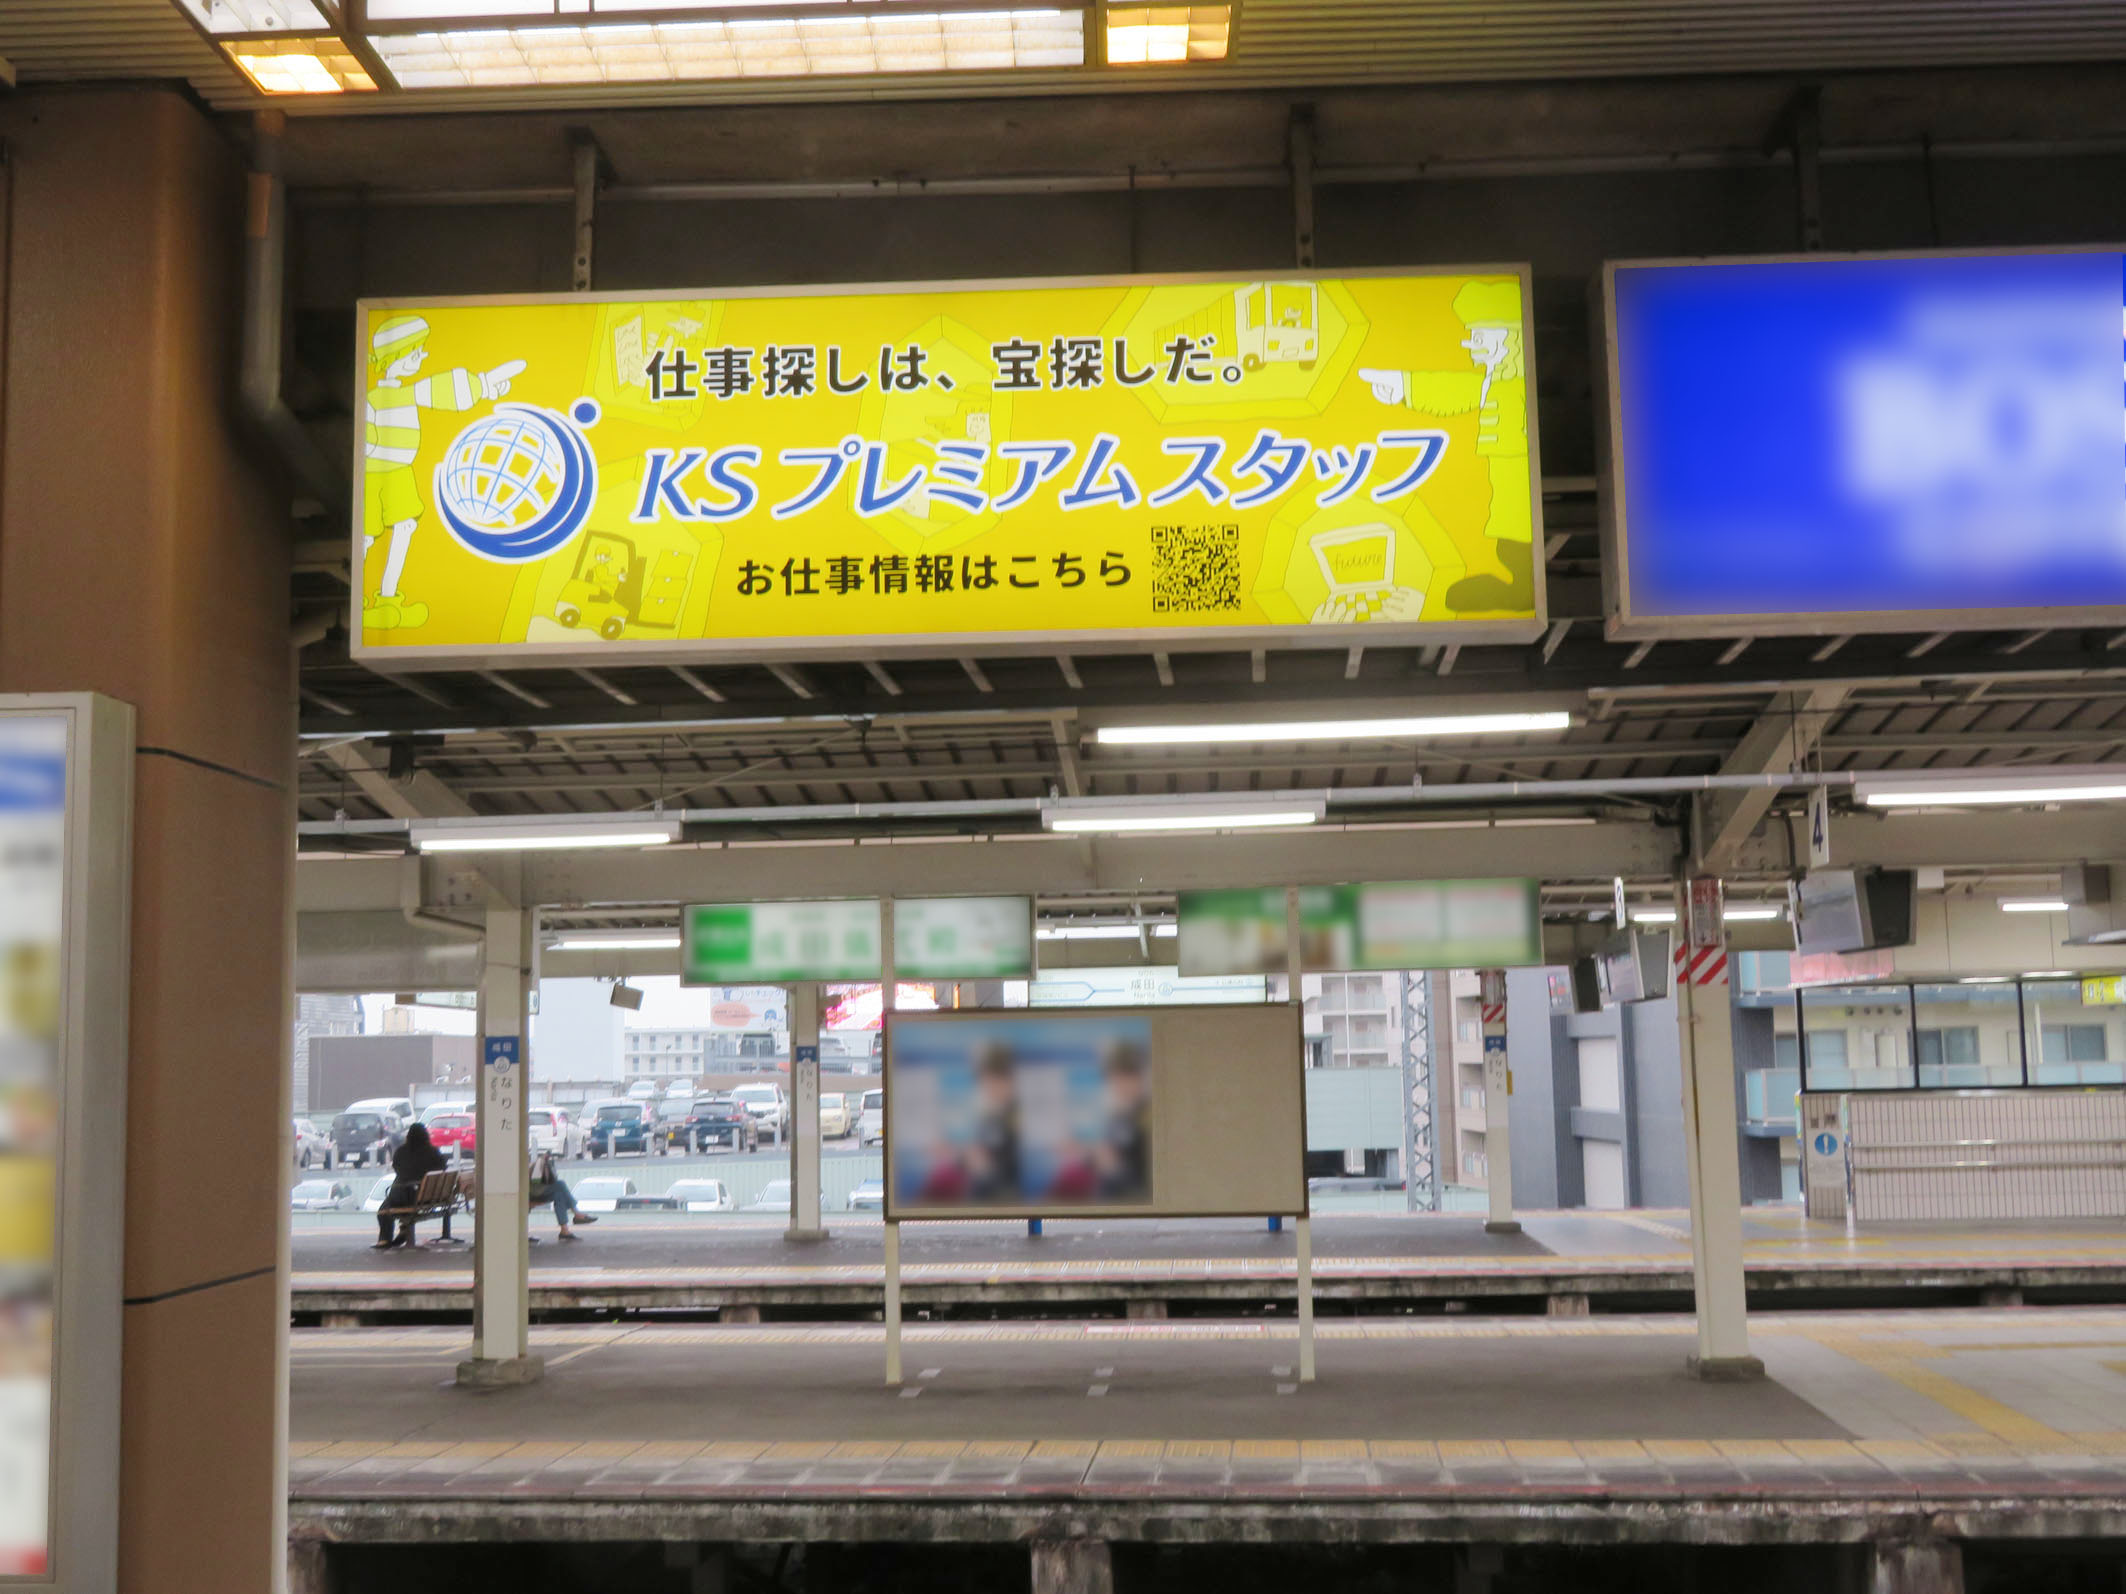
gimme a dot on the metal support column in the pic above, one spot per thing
(1710, 1130)
(1299, 144)
(585, 150)
(1498, 1106)
(501, 1308)
(804, 1114)
(1420, 1145)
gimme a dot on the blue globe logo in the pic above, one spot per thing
(518, 484)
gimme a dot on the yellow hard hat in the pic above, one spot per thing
(396, 335)
(1494, 301)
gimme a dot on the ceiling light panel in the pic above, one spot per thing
(300, 66)
(700, 51)
(1167, 35)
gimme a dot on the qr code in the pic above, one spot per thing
(1195, 569)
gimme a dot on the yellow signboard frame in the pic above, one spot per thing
(544, 492)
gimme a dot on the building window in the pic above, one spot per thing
(1857, 1037)
(1969, 1036)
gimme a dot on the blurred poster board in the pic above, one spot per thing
(1422, 924)
(1841, 443)
(934, 938)
(1095, 1112)
(65, 902)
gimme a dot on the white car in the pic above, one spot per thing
(447, 1109)
(701, 1195)
(379, 1193)
(774, 1197)
(323, 1195)
(391, 1106)
(310, 1146)
(871, 1127)
(551, 1129)
(602, 1195)
(768, 1105)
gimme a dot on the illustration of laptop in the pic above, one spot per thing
(1358, 562)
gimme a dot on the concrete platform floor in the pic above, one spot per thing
(2015, 1418)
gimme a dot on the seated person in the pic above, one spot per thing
(413, 1161)
(546, 1185)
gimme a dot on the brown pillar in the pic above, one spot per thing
(142, 555)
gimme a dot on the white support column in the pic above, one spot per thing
(1709, 1135)
(1498, 1105)
(1305, 1239)
(804, 1114)
(501, 1309)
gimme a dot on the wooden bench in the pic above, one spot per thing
(441, 1193)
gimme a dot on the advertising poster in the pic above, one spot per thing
(1215, 461)
(1918, 441)
(32, 894)
(1020, 1112)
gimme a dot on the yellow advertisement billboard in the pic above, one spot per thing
(1318, 461)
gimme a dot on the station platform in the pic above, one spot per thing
(1563, 1263)
(2003, 1424)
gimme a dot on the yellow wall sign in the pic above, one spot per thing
(1190, 462)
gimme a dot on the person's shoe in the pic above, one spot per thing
(383, 1245)
(582, 1218)
(568, 1234)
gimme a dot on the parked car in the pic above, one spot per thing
(323, 1195)
(456, 1135)
(643, 1090)
(768, 1105)
(397, 1106)
(712, 1121)
(1350, 1184)
(869, 1196)
(701, 1195)
(435, 1110)
(310, 1146)
(835, 1119)
(552, 1129)
(774, 1197)
(379, 1193)
(603, 1195)
(364, 1138)
(871, 1127)
(620, 1124)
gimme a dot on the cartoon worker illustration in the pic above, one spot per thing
(1497, 390)
(392, 437)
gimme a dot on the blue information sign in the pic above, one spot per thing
(1914, 442)
(500, 1051)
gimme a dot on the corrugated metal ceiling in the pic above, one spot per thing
(1275, 43)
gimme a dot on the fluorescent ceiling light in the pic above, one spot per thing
(1087, 932)
(1085, 818)
(1167, 35)
(2050, 974)
(540, 838)
(300, 66)
(1367, 730)
(1742, 914)
(1970, 789)
(699, 51)
(627, 943)
(2033, 905)
(1985, 979)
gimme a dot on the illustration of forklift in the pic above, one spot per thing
(614, 586)
(1277, 323)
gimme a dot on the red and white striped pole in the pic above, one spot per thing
(1498, 1104)
(1705, 1021)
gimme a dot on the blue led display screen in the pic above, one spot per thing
(1893, 437)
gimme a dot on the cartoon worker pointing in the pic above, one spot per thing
(1497, 390)
(392, 437)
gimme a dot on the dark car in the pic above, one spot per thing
(363, 1138)
(712, 1121)
(617, 1126)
